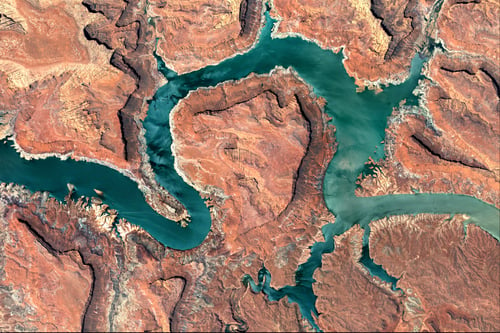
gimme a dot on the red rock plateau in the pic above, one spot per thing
(455, 147)
(349, 299)
(261, 141)
(131, 282)
(62, 282)
(135, 283)
(259, 148)
(75, 78)
(379, 37)
(63, 268)
(451, 278)
(61, 86)
(195, 33)
(448, 278)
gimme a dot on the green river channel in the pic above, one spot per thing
(360, 120)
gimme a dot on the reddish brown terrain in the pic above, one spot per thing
(251, 139)
(454, 146)
(261, 222)
(84, 97)
(65, 269)
(447, 278)
(75, 80)
(450, 278)
(349, 299)
(216, 30)
(379, 37)
(61, 86)
(63, 282)
(134, 283)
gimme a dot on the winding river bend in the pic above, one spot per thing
(360, 120)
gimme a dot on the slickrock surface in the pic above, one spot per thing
(60, 87)
(454, 146)
(65, 268)
(427, 162)
(263, 141)
(123, 28)
(137, 284)
(380, 37)
(471, 28)
(349, 299)
(40, 289)
(129, 281)
(75, 78)
(451, 278)
(194, 34)
(121, 278)
(265, 320)
(448, 279)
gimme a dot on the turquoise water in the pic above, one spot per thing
(360, 119)
(120, 193)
